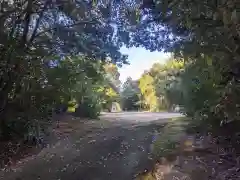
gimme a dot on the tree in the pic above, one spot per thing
(196, 31)
(148, 94)
(112, 74)
(111, 86)
(130, 95)
(37, 40)
(160, 83)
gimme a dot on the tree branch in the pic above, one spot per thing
(28, 20)
(67, 26)
(38, 21)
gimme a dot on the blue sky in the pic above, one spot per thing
(140, 59)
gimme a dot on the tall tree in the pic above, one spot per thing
(196, 30)
(37, 36)
(130, 95)
(148, 92)
(111, 85)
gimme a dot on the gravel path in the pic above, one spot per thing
(116, 148)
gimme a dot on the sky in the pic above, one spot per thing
(140, 60)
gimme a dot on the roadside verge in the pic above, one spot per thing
(179, 155)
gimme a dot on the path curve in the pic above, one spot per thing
(113, 148)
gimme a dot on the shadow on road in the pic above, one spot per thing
(108, 150)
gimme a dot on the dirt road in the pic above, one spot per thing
(114, 148)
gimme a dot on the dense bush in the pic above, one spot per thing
(89, 107)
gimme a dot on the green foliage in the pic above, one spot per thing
(89, 107)
(111, 87)
(148, 94)
(51, 52)
(112, 74)
(199, 89)
(205, 34)
(159, 86)
(130, 95)
(168, 140)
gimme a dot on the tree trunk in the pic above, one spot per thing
(4, 130)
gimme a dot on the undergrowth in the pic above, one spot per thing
(169, 137)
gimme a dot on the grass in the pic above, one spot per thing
(167, 142)
(169, 138)
(175, 143)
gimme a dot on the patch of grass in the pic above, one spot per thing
(169, 138)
